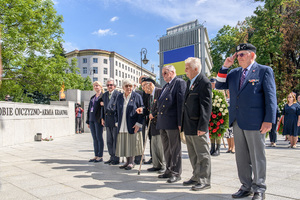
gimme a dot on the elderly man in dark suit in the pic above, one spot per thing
(196, 114)
(169, 110)
(252, 112)
(108, 120)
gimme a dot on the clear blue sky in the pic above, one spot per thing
(126, 26)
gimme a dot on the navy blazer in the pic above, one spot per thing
(169, 105)
(132, 117)
(197, 106)
(256, 101)
(109, 108)
(98, 109)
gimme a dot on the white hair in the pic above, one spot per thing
(194, 63)
(170, 68)
(127, 82)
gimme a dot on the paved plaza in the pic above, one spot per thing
(59, 170)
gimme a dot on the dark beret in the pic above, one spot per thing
(148, 79)
(213, 80)
(246, 47)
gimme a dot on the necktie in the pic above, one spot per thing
(243, 78)
(109, 95)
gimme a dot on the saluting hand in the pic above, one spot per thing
(229, 61)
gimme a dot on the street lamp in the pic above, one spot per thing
(145, 60)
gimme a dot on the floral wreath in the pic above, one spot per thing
(219, 120)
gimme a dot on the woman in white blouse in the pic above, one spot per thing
(129, 123)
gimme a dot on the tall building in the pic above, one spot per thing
(100, 65)
(182, 41)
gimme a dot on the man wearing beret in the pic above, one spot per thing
(252, 112)
(151, 111)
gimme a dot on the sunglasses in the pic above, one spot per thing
(128, 86)
(109, 85)
(241, 55)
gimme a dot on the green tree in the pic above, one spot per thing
(223, 46)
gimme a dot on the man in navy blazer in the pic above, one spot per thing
(169, 108)
(108, 120)
(252, 112)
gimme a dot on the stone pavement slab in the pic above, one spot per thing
(59, 169)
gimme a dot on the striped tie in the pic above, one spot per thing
(243, 78)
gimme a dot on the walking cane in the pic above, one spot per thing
(146, 136)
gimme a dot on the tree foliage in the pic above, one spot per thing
(275, 31)
(34, 64)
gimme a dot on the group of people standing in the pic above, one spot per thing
(181, 106)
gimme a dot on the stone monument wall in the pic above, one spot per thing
(20, 122)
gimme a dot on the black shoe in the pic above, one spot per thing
(241, 194)
(108, 162)
(129, 167)
(114, 163)
(258, 196)
(189, 182)
(217, 151)
(200, 186)
(153, 169)
(101, 160)
(173, 179)
(148, 162)
(164, 176)
(92, 160)
(123, 166)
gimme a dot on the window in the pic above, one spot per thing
(116, 72)
(128, 68)
(133, 70)
(122, 66)
(95, 70)
(105, 61)
(116, 63)
(122, 74)
(95, 60)
(125, 67)
(95, 79)
(104, 70)
(84, 60)
(84, 70)
(120, 83)
(105, 80)
(116, 82)
(125, 75)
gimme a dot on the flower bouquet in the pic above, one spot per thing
(47, 139)
(219, 120)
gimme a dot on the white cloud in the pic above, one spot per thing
(104, 32)
(216, 13)
(68, 46)
(55, 2)
(115, 18)
(131, 35)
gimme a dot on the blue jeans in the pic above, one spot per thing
(97, 133)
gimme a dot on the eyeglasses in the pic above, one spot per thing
(241, 55)
(109, 85)
(165, 73)
(128, 86)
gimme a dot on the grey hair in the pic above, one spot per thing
(194, 62)
(127, 82)
(111, 79)
(171, 68)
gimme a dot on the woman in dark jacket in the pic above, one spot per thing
(129, 123)
(94, 123)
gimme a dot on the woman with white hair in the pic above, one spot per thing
(94, 122)
(129, 123)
